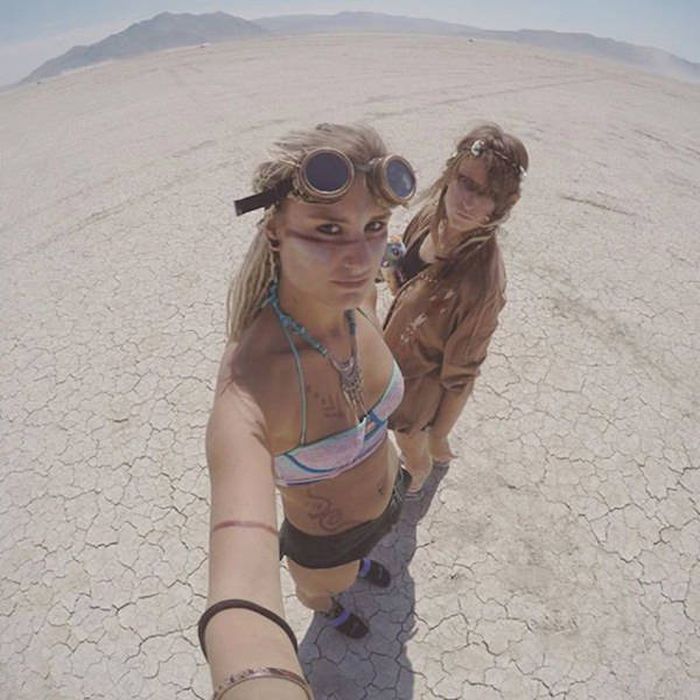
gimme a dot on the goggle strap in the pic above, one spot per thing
(265, 199)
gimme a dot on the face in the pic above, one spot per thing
(468, 203)
(332, 251)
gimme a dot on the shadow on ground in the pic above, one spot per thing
(377, 666)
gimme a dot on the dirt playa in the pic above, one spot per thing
(558, 556)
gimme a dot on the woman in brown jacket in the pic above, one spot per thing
(449, 289)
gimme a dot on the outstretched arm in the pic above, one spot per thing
(244, 550)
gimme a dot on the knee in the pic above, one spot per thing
(313, 594)
(315, 600)
(415, 447)
(417, 460)
(315, 591)
(310, 591)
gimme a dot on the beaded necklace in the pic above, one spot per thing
(349, 370)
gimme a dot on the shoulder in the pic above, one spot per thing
(236, 418)
(256, 360)
(260, 381)
(249, 371)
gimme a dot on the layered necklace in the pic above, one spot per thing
(348, 370)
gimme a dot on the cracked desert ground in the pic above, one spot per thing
(559, 555)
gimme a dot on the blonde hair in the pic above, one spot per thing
(506, 160)
(249, 287)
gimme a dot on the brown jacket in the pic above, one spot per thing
(440, 325)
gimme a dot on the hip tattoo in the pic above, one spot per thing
(329, 517)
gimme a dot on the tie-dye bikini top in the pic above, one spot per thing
(339, 452)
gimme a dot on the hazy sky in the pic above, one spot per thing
(32, 31)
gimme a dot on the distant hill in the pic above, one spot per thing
(643, 57)
(164, 31)
(169, 30)
(359, 22)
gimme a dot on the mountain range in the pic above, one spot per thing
(168, 30)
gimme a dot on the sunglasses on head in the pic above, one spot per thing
(326, 174)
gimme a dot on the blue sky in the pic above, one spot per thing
(32, 31)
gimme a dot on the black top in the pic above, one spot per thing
(411, 263)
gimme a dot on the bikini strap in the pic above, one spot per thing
(302, 388)
(377, 328)
(271, 299)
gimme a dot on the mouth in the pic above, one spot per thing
(356, 283)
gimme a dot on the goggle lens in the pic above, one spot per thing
(400, 178)
(327, 172)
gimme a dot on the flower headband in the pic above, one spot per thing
(479, 147)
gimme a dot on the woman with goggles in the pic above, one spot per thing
(452, 278)
(305, 389)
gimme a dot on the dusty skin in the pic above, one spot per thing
(558, 556)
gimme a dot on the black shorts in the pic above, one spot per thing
(327, 551)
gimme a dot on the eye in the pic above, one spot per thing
(376, 226)
(467, 184)
(329, 229)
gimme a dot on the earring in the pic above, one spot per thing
(272, 241)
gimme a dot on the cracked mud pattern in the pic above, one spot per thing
(559, 555)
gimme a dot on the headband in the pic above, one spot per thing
(479, 147)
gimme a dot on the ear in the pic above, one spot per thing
(513, 200)
(270, 231)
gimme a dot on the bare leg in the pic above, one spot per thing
(416, 454)
(440, 450)
(315, 587)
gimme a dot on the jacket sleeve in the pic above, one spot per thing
(466, 348)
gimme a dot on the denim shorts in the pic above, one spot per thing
(327, 551)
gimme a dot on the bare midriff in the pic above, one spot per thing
(334, 505)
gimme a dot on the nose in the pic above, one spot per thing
(469, 197)
(357, 257)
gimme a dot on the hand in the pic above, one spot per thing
(440, 448)
(389, 275)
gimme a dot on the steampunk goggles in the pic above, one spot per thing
(326, 174)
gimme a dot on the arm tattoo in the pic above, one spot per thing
(244, 523)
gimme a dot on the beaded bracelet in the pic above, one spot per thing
(250, 674)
